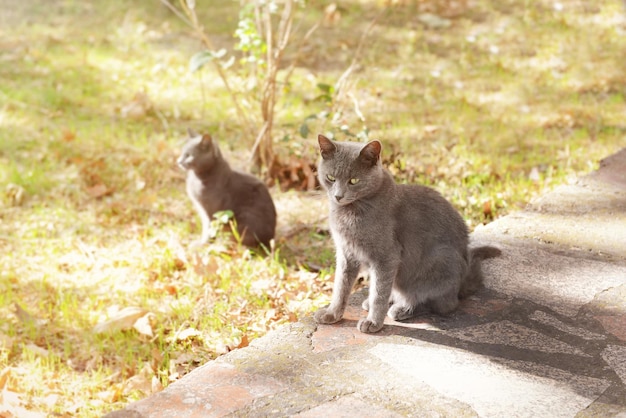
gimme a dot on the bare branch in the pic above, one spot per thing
(303, 41)
(344, 77)
(174, 10)
(192, 20)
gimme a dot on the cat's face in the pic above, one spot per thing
(198, 152)
(349, 171)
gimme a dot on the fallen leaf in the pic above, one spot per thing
(4, 377)
(171, 289)
(11, 405)
(50, 400)
(68, 135)
(487, 209)
(244, 341)
(35, 349)
(332, 15)
(6, 342)
(15, 194)
(124, 319)
(183, 358)
(157, 386)
(534, 175)
(143, 325)
(23, 315)
(433, 21)
(138, 107)
(98, 191)
(111, 395)
(157, 358)
(186, 334)
(141, 381)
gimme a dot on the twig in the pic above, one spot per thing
(192, 20)
(257, 141)
(343, 79)
(176, 12)
(300, 48)
(357, 109)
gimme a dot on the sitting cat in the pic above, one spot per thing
(213, 186)
(412, 241)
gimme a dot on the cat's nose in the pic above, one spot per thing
(338, 197)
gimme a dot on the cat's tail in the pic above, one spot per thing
(474, 279)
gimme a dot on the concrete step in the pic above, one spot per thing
(546, 337)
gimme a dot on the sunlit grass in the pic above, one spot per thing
(506, 102)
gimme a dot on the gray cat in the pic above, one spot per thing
(411, 240)
(213, 186)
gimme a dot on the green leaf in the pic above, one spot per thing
(219, 54)
(326, 88)
(200, 59)
(227, 64)
(304, 130)
(223, 216)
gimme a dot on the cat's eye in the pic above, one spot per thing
(354, 181)
(330, 178)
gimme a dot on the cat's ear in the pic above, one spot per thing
(206, 140)
(370, 153)
(192, 133)
(327, 147)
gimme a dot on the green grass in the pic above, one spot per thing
(510, 100)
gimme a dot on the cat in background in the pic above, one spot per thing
(411, 240)
(213, 186)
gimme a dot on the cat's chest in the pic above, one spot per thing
(355, 228)
(346, 223)
(206, 193)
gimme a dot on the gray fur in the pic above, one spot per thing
(411, 240)
(213, 186)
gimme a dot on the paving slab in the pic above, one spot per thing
(545, 337)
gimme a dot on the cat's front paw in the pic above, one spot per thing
(399, 312)
(326, 316)
(366, 305)
(367, 326)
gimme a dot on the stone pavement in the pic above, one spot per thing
(545, 338)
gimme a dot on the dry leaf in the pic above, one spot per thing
(50, 400)
(35, 349)
(111, 395)
(138, 107)
(4, 377)
(6, 342)
(143, 325)
(182, 358)
(23, 315)
(188, 333)
(244, 341)
(157, 386)
(14, 194)
(141, 381)
(534, 174)
(98, 191)
(11, 406)
(487, 209)
(332, 15)
(171, 289)
(124, 319)
(68, 135)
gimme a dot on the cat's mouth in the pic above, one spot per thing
(344, 202)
